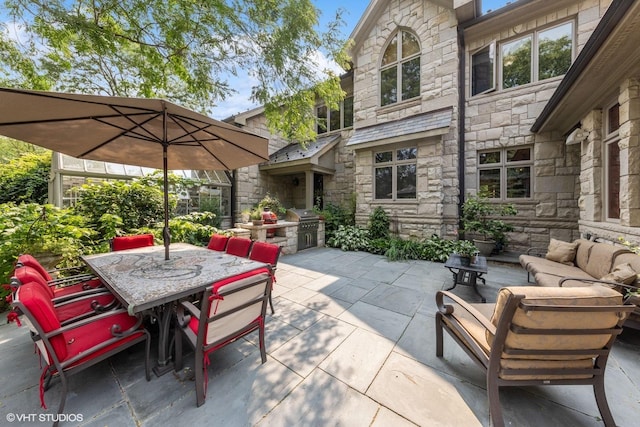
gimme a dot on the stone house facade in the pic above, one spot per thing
(446, 101)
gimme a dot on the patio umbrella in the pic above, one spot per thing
(138, 131)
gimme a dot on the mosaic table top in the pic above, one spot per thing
(142, 278)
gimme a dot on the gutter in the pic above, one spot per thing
(461, 122)
(605, 27)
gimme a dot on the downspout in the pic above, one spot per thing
(461, 122)
(232, 208)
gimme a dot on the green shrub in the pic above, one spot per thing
(25, 179)
(379, 224)
(378, 246)
(195, 228)
(334, 217)
(350, 238)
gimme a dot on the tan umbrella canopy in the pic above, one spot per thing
(138, 131)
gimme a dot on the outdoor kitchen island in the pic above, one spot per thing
(299, 231)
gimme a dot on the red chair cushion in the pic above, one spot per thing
(121, 243)
(239, 246)
(30, 274)
(30, 261)
(35, 299)
(218, 242)
(264, 252)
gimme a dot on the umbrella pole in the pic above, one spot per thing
(166, 234)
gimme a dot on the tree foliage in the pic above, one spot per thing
(182, 50)
(25, 179)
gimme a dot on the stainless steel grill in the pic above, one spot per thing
(307, 227)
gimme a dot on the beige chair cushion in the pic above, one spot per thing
(583, 252)
(563, 252)
(601, 259)
(622, 273)
(471, 325)
(578, 296)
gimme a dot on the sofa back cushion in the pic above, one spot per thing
(629, 258)
(601, 259)
(582, 254)
(560, 251)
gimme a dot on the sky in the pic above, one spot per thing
(352, 11)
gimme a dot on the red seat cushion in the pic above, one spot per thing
(218, 242)
(265, 252)
(121, 243)
(30, 261)
(239, 246)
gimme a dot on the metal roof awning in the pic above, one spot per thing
(294, 158)
(411, 128)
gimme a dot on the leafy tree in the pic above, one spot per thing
(181, 50)
(11, 149)
(25, 179)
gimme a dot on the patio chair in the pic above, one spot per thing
(230, 309)
(537, 336)
(218, 242)
(30, 261)
(269, 253)
(27, 273)
(69, 307)
(67, 350)
(120, 243)
(239, 246)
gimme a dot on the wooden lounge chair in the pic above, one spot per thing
(71, 348)
(230, 309)
(537, 336)
(269, 253)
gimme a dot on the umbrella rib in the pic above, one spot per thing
(195, 140)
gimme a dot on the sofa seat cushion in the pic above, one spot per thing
(552, 280)
(554, 268)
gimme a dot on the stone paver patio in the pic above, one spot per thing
(352, 343)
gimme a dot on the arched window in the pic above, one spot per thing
(400, 69)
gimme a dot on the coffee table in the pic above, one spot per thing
(467, 274)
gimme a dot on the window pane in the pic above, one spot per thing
(613, 118)
(516, 63)
(383, 183)
(518, 154)
(519, 182)
(482, 66)
(489, 157)
(334, 118)
(411, 78)
(613, 180)
(410, 45)
(391, 54)
(322, 119)
(407, 153)
(490, 178)
(348, 112)
(388, 86)
(554, 51)
(384, 157)
(406, 182)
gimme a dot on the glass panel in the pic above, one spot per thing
(519, 182)
(554, 51)
(613, 180)
(411, 78)
(406, 182)
(388, 86)
(322, 119)
(348, 112)
(407, 153)
(383, 183)
(134, 170)
(518, 154)
(94, 166)
(613, 118)
(71, 163)
(489, 157)
(384, 157)
(334, 118)
(410, 45)
(114, 168)
(482, 66)
(490, 178)
(516, 63)
(391, 54)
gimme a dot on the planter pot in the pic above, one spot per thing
(258, 222)
(485, 246)
(465, 261)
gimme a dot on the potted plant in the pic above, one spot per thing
(256, 216)
(481, 218)
(467, 251)
(272, 204)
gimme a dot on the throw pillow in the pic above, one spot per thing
(622, 273)
(563, 252)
